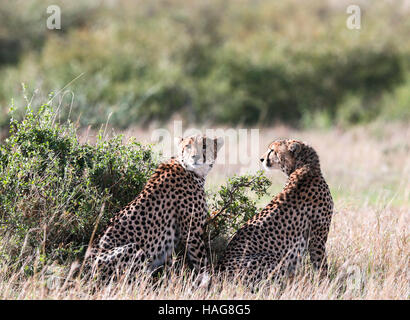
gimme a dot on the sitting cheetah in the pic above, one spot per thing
(170, 209)
(295, 221)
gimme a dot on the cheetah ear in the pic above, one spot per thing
(219, 142)
(294, 148)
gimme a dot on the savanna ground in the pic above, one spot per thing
(367, 168)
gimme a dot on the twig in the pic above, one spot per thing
(92, 238)
(231, 195)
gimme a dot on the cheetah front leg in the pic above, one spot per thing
(317, 252)
(196, 251)
(192, 232)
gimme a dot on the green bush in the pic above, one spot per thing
(53, 188)
(285, 91)
(396, 105)
(232, 206)
(23, 24)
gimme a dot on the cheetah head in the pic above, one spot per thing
(198, 153)
(287, 155)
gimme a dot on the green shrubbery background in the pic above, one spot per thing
(236, 62)
(54, 190)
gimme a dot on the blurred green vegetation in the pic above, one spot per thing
(224, 62)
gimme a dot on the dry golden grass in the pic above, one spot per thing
(368, 170)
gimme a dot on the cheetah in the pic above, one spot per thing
(295, 222)
(171, 209)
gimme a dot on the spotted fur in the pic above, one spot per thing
(295, 222)
(170, 210)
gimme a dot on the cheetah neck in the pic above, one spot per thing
(300, 175)
(200, 172)
(308, 162)
(196, 175)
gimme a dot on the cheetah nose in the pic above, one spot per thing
(261, 159)
(196, 157)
